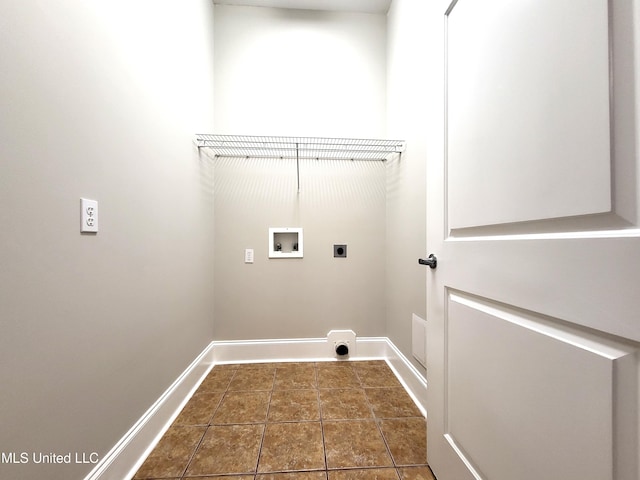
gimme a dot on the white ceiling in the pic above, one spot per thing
(365, 6)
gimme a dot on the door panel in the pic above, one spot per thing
(592, 281)
(533, 339)
(558, 405)
(532, 112)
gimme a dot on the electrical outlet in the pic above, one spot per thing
(248, 255)
(340, 251)
(88, 215)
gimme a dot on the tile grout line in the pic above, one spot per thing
(215, 410)
(377, 422)
(193, 454)
(266, 419)
(210, 423)
(322, 420)
(319, 403)
(380, 420)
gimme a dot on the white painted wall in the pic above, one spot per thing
(299, 72)
(101, 100)
(340, 202)
(407, 106)
(370, 6)
(295, 72)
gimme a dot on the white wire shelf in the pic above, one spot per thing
(318, 148)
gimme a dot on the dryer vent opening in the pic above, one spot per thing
(341, 344)
(342, 349)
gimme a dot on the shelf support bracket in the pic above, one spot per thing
(298, 165)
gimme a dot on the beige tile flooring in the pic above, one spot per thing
(295, 421)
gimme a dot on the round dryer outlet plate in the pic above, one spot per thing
(340, 251)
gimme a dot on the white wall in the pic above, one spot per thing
(295, 72)
(406, 179)
(299, 72)
(340, 202)
(101, 100)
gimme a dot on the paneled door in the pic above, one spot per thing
(533, 214)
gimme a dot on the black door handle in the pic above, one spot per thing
(431, 261)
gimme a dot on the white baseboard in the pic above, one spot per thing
(409, 376)
(294, 350)
(250, 351)
(128, 454)
(123, 460)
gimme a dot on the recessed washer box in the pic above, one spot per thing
(285, 242)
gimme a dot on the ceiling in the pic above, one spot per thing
(365, 6)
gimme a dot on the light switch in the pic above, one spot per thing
(248, 255)
(88, 215)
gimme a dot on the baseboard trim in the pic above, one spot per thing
(275, 350)
(409, 376)
(294, 350)
(123, 460)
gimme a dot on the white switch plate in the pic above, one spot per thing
(248, 255)
(88, 215)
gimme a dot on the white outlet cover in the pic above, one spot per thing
(248, 255)
(88, 215)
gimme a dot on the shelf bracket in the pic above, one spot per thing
(298, 165)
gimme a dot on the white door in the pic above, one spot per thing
(533, 213)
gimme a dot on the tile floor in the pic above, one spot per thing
(295, 421)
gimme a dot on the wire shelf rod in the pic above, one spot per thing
(302, 144)
(300, 148)
(238, 145)
(302, 157)
(321, 151)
